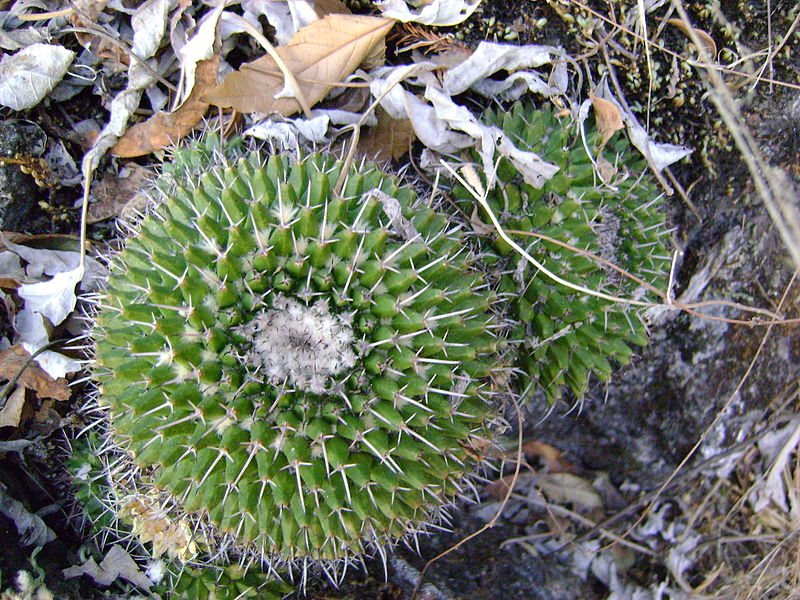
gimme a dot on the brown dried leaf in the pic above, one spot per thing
(166, 129)
(319, 55)
(605, 169)
(607, 116)
(329, 7)
(13, 361)
(550, 454)
(389, 139)
(704, 37)
(499, 487)
(11, 413)
(114, 195)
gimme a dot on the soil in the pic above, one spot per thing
(638, 428)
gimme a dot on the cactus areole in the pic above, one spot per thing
(307, 374)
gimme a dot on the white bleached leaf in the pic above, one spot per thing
(431, 130)
(53, 299)
(29, 75)
(446, 127)
(441, 13)
(54, 364)
(30, 327)
(117, 563)
(10, 266)
(149, 26)
(337, 116)
(282, 134)
(32, 530)
(772, 488)
(514, 86)
(14, 39)
(679, 556)
(313, 129)
(199, 47)
(534, 170)
(663, 154)
(157, 98)
(490, 57)
(42, 261)
(285, 133)
(659, 155)
(285, 17)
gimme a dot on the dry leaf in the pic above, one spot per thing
(45, 420)
(607, 117)
(499, 487)
(319, 55)
(117, 563)
(389, 139)
(704, 38)
(114, 195)
(86, 15)
(479, 226)
(32, 530)
(165, 129)
(29, 75)
(441, 13)
(328, 7)
(32, 376)
(551, 455)
(11, 413)
(605, 169)
(565, 487)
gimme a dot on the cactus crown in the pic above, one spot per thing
(301, 376)
(563, 336)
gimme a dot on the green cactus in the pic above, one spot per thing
(302, 376)
(562, 335)
(102, 484)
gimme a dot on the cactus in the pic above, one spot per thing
(108, 505)
(301, 377)
(562, 335)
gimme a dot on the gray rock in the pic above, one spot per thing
(18, 191)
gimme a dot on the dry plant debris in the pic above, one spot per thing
(319, 55)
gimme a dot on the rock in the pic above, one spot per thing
(18, 191)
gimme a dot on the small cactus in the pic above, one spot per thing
(302, 377)
(109, 505)
(562, 335)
